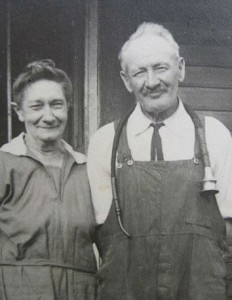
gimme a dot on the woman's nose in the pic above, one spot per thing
(48, 115)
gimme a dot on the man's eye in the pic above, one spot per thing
(161, 69)
(36, 106)
(139, 73)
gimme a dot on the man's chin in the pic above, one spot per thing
(155, 104)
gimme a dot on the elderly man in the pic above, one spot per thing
(166, 239)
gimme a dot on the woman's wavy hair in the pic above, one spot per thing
(39, 70)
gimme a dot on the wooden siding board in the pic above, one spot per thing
(207, 55)
(208, 77)
(91, 95)
(207, 98)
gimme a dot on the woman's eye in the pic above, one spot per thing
(57, 105)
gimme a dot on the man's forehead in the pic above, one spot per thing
(153, 47)
(147, 42)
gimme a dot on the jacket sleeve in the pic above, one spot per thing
(5, 179)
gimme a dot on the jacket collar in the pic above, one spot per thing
(18, 147)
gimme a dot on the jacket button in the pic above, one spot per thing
(130, 162)
(119, 165)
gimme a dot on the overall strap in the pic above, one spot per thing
(124, 152)
(202, 120)
(197, 152)
(199, 125)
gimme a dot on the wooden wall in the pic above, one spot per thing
(203, 29)
(56, 29)
(46, 29)
(3, 94)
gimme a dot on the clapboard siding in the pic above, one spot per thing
(208, 82)
(203, 30)
(195, 35)
(208, 77)
(207, 55)
(207, 98)
(224, 117)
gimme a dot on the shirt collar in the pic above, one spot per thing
(177, 119)
(18, 147)
(138, 122)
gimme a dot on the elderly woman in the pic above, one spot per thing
(46, 216)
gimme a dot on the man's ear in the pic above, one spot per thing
(126, 81)
(181, 69)
(18, 111)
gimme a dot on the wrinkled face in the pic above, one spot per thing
(152, 72)
(44, 110)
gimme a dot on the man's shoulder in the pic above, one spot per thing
(216, 130)
(214, 123)
(104, 132)
(101, 142)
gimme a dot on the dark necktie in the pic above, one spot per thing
(156, 144)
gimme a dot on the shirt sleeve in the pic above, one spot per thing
(98, 167)
(219, 142)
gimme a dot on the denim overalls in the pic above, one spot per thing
(176, 251)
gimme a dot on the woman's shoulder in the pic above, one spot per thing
(6, 156)
(79, 157)
(10, 163)
(16, 146)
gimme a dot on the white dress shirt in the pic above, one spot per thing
(178, 139)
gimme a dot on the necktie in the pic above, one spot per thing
(156, 144)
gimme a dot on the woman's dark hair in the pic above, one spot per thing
(39, 70)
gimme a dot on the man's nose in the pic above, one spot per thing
(152, 80)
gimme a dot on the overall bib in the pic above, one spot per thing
(176, 251)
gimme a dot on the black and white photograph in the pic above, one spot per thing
(115, 150)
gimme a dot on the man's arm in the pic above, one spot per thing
(98, 166)
(219, 144)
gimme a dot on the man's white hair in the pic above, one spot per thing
(148, 29)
